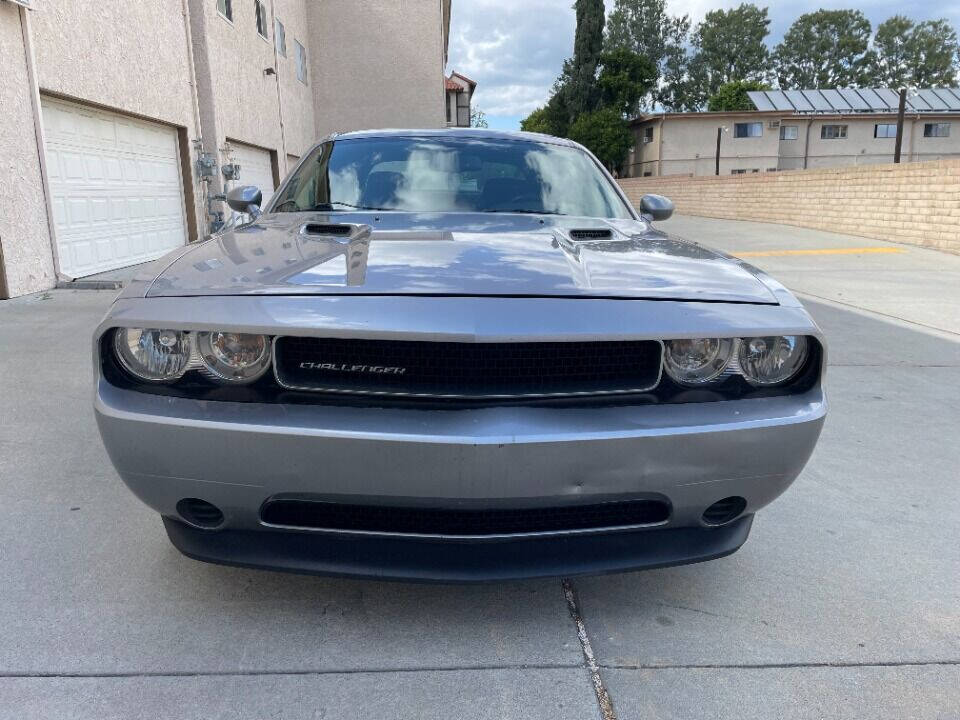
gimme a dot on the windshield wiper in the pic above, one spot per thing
(524, 211)
(332, 206)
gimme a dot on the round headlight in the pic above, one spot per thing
(697, 361)
(772, 360)
(152, 355)
(234, 357)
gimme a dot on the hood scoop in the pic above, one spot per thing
(328, 230)
(592, 234)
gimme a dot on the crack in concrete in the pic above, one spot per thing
(603, 697)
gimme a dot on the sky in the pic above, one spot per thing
(515, 49)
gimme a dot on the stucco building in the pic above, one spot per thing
(122, 123)
(798, 130)
(459, 97)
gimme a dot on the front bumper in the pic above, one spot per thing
(236, 456)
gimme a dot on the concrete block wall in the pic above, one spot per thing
(914, 203)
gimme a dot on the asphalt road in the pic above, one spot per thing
(845, 602)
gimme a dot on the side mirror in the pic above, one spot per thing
(246, 199)
(656, 207)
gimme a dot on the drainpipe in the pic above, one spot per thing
(806, 144)
(913, 134)
(38, 132)
(199, 210)
(660, 147)
(282, 162)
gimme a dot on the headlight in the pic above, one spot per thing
(234, 357)
(152, 355)
(697, 361)
(772, 360)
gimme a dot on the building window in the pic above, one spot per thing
(738, 171)
(301, 61)
(743, 130)
(463, 109)
(225, 8)
(833, 132)
(788, 132)
(261, 12)
(648, 134)
(280, 36)
(647, 173)
(885, 130)
(449, 111)
(936, 130)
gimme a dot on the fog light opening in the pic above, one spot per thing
(200, 513)
(724, 511)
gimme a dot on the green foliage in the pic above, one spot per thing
(537, 122)
(645, 28)
(587, 47)
(733, 95)
(825, 49)
(914, 54)
(624, 79)
(478, 119)
(605, 133)
(728, 45)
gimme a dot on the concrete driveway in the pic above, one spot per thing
(845, 602)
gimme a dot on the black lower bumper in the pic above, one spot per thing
(457, 561)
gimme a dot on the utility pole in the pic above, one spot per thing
(900, 111)
(719, 135)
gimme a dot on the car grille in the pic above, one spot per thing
(467, 370)
(315, 514)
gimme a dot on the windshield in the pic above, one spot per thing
(451, 175)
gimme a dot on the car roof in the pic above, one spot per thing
(456, 132)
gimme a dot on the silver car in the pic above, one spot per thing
(456, 355)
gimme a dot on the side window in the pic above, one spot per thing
(280, 37)
(648, 134)
(833, 132)
(301, 52)
(885, 130)
(788, 132)
(225, 8)
(261, 12)
(936, 130)
(744, 130)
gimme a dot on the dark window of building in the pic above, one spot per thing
(744, 130)
(885, 130)
(463, 109)
(648, 134)
(833, 132)
(788, 132)
(936, 130)
(301, 53)
(225, 8)
(280, 37)
(738, 171)
(647, 173)
(261, 12)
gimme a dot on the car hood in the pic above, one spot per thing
(457, 255)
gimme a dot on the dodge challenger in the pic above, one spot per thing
(455, 355)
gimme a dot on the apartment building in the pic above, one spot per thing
(796, 130)
(125, 121)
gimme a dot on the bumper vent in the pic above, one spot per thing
(321, 515)
(473, 371)
(200, 513)
(723, 511)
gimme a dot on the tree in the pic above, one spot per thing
(728, 45)
(587, 47)
(643, 27)
(478, 118)
(891, 57)
(624, 79)
(606, 134)
(733, 95)
(675, 92)
(825, 49)
(934, 48)
(537, 122)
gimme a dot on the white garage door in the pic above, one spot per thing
(115, 185)
(255, 168)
